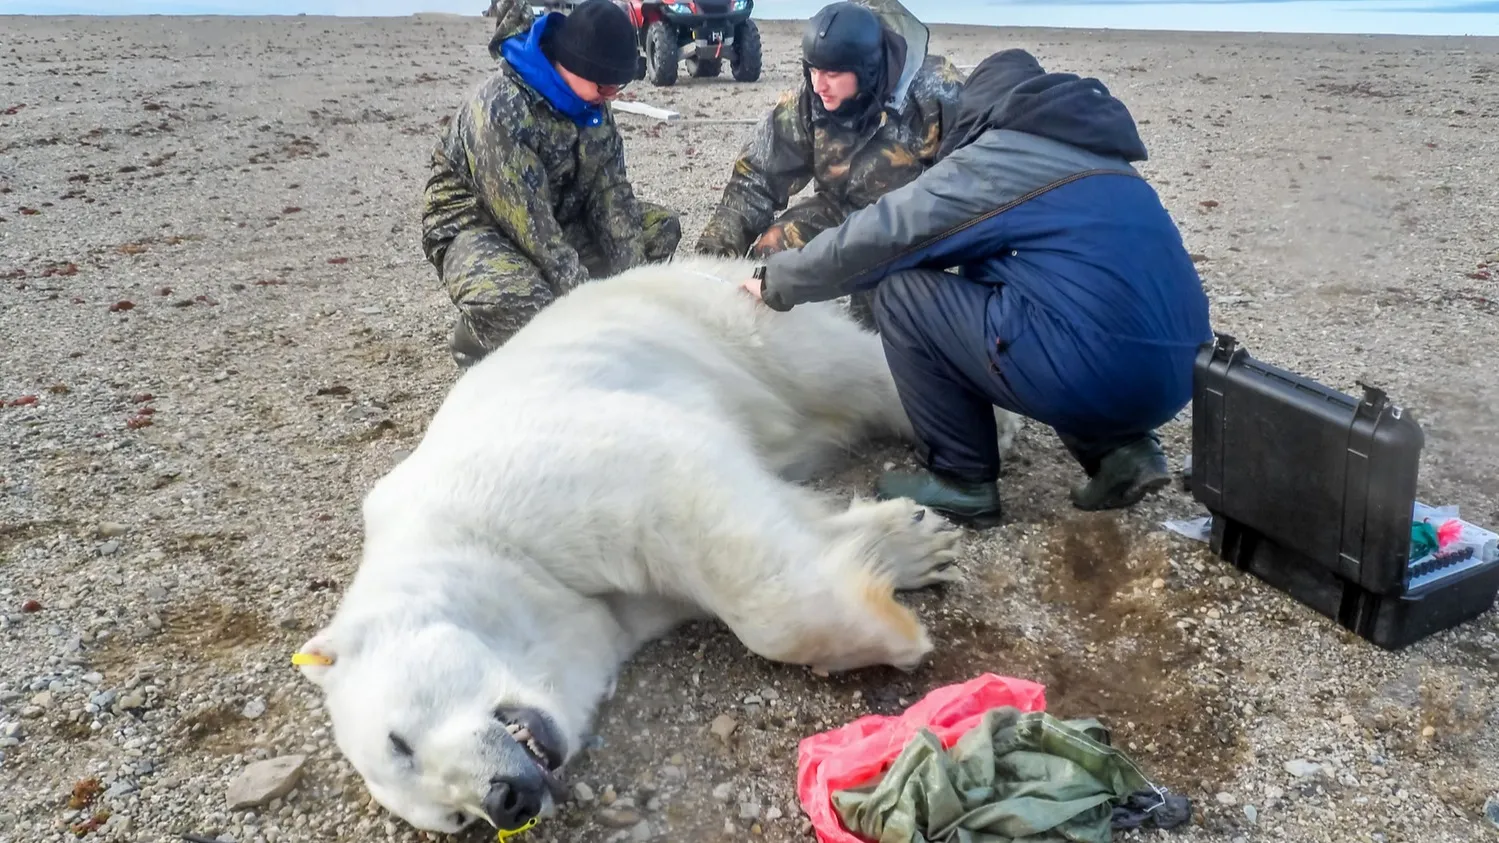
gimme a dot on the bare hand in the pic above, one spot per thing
(752, 286)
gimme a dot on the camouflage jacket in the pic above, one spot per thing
(851, 169)
(533, 172)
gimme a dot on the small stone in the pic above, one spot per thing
(723, 792)
(254, 709)
(582, 792)
(110, 547)
(723, 726)
(93, 678)
(1491, 810)
(1252, 813)
(608, 796)
(1302, 768)
(642, 831)
(1349, 720)
(619, 817)
(773, 813)
(109, 529)
(264, 781)
(1227, 799)
(749, 810)
(1158, 584)
(1273, 793)
(1429, 732)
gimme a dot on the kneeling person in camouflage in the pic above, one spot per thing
(528, 195)
(866, 119)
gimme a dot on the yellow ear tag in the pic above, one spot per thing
(310, 658)
(505, 834)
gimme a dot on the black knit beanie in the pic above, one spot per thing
(596, 41)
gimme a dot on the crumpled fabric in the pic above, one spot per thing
(1149, 809)
(1424, 540)
(1016, 776)
(977, 762)
(853, 754)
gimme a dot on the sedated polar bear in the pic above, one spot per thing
(623, 464)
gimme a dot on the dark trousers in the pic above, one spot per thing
(933, 325)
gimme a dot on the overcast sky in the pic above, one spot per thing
(1414, 17)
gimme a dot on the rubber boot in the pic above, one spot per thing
(1124, 477)
(974, 505)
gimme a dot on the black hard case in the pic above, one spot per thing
(1313, 491)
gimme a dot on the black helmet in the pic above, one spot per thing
(845, 37)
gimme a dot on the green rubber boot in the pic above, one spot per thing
(1124, 477)
(974, 505)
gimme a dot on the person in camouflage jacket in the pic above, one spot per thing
(528, 195)
(867, 146)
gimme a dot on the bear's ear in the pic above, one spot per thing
(317, 656)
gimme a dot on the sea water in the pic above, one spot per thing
(1393, 17)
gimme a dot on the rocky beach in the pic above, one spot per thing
(219, 329)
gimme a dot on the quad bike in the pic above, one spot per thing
(701, 33)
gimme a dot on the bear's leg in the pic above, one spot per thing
(914, 547)
(816, 589)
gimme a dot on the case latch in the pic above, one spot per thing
(1375, 400)
(1224, 345)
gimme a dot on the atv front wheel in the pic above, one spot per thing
(663, 50)
(746, 59)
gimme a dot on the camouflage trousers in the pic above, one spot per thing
(802, 222)
(498, 290)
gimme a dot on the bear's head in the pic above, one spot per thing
(439, 729)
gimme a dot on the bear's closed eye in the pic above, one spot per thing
(400, 745)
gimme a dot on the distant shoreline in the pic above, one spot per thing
(1070, 30)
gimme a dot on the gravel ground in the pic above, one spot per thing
(214, 290)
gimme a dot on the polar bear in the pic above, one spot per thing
(623, 464)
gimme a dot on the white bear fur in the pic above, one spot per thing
(618, 467)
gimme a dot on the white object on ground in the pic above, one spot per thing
(1197, 529)
(645, 109)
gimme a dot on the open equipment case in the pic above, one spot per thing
(1314, 492)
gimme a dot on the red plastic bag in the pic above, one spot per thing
(854, 754)
(1450, 531)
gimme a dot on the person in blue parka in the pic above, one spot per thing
(1074, 301)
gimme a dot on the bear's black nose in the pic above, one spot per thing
(512, 801)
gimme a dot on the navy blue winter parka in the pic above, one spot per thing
(1097, 310)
